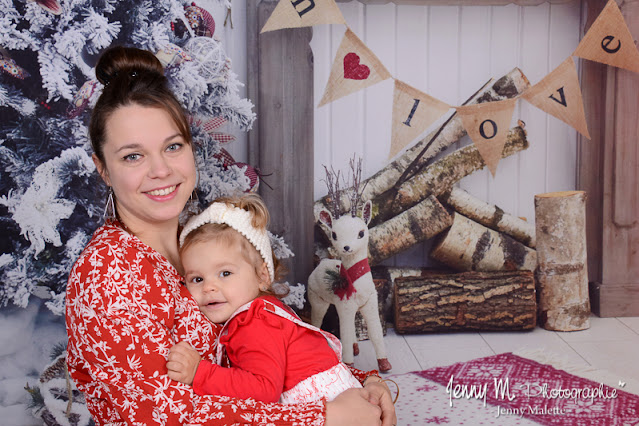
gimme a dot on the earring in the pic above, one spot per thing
(109, 208)
(193, 205)
(191, 208)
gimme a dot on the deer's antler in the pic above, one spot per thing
(355, 195)
(334, 191)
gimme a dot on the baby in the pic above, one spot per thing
(273, 355)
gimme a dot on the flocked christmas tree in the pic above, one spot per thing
(51, 199)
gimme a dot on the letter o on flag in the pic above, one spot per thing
(493, 130)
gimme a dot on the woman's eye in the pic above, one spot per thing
(174, 146)
(132, 157)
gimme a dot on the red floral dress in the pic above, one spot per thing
(125, 308)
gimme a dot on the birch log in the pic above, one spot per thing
(421, 222)
(467, 301)
(440, 177)
(562, 272)
(435, 179)
(489, 215)
(508, 86)
(469, 246)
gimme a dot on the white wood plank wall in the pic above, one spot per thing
(449, 52)
(234, 43)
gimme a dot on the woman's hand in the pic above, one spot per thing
(182, 363)
(353, 407)
(381, 396)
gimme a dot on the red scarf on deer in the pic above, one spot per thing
(349, 276)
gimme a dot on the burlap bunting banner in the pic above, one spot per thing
(559, 95)
(487, 125)
(355, 68)
(609, 41)
(303, 13)
(413, 112)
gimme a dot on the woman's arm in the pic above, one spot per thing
(118, 339)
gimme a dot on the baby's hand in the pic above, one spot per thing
(182, 363)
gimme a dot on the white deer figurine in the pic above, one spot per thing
(349, 238)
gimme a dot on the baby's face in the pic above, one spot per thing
(219, 278)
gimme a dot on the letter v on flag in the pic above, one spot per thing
(355, 67)
(413, 112)
(303, 13)
(487, 125)
(609, 41)
(559, 95)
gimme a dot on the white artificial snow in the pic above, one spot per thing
(27, 337)
(295, 297)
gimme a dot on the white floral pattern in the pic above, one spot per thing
(125, 308)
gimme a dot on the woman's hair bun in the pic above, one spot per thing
(119, 60)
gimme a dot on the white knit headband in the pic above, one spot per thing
(238, 219)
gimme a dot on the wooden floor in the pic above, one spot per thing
(610, 344)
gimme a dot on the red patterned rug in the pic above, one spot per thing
(508, 389)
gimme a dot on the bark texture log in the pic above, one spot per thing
(562, 272)
(508, 86)
(466, 301)
(489, 215)
(419, 223)
(469, 246)
(440, 177)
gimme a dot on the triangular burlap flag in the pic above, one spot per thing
(559, 94)
(355, 68)
(303, 13)
(413, 112)
(487, 125)
(609, 41)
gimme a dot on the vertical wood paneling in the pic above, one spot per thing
(449, 52)
(504, 54)
(443, 60)
(562, 140)
(234, 41)
(380, 37)
(534, 62)
(321, 44)
(347, 113)
(474, 53)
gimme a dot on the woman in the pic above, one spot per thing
(125, 304)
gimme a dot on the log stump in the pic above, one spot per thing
(562, 272)
(503, 300)
(470, 246)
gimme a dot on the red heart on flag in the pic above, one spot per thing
(353, 69)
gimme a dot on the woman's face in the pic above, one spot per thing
(148, 164)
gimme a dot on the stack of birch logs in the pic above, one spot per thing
(414, 199)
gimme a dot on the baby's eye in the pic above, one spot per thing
(225, 274)
(196, 280)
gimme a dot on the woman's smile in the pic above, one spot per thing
(163, 193)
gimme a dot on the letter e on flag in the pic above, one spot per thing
(609, 41)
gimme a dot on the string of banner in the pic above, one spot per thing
(356, 67)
